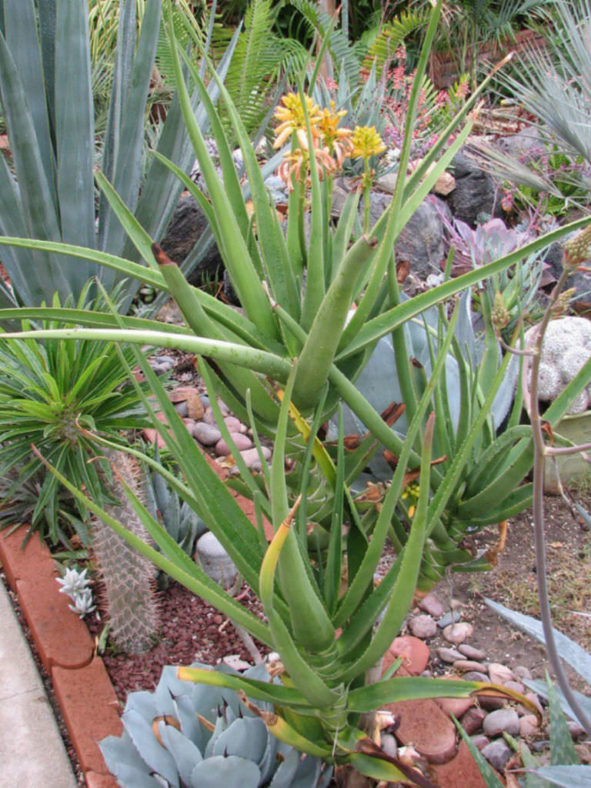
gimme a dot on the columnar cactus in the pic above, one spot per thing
(128, 576)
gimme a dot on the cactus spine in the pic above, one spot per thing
(128, 576)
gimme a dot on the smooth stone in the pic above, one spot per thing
(234, 424)
(423, 626)
(242, 442)
(182, 408)
(471, 652)
(575, 728)
(451, 617)
(491, 703)
(455, 706)
(480, 741)
(472, 720)
(389, 745)
(464, 665)
(501, 721)
(162, 359)
(432, 605)
(500, 674)
(528, 726)
(533, 698)
(251, 457)
(540, 746)
(448, 655)
(475, 675)
(215, 561)
(497, 753)
(457, 633)
(206, 434)
(516, 686)
(413, 652)
(522, 673)
(208, 416)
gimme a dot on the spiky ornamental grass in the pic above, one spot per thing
(54, 396)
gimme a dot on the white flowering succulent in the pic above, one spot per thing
(76, 584)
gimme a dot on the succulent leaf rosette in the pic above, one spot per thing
(186, 734)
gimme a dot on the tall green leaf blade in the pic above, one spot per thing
(127, 162)
(74, 116)
(175, 145)
(20, 26)
(566, 776)
(562, 748)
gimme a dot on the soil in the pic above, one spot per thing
(513, 583)
(192, 631)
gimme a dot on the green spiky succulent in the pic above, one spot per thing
(55, 395)
(184, 734)
(165, 505)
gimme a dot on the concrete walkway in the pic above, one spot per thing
(32, 753)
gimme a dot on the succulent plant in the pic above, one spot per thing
(76, 584)
(186, 734)
(130, 589)
(164, 504)
(566, 348)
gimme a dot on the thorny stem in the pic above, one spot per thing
(540, 453)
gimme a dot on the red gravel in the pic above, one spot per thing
(191, 631)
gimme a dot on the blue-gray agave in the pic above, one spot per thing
(186, 734)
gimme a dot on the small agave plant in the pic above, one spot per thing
(185, 734)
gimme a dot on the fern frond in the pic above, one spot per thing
(340, 49)
(382, 42)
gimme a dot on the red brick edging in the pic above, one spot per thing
(82, 686)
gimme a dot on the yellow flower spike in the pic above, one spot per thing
(366, 142)
(337, 141)
(269, 564)
(291, 117)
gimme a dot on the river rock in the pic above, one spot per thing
(242, 442)
(472, 720)
(501, 721)
(422, 626)
(497, 753)
(451, 617)
(457, 633)
(432, 605)
(465, 665)
(521, 672)
(206, 434)
(480, 741)
(449, 655)
(215, 561)
(251, 457)
(500, 674)
(529, 726)
(471, 652)
(234, 424)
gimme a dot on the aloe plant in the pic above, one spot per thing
(316, 706)
(296, 296)
(48, 192)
